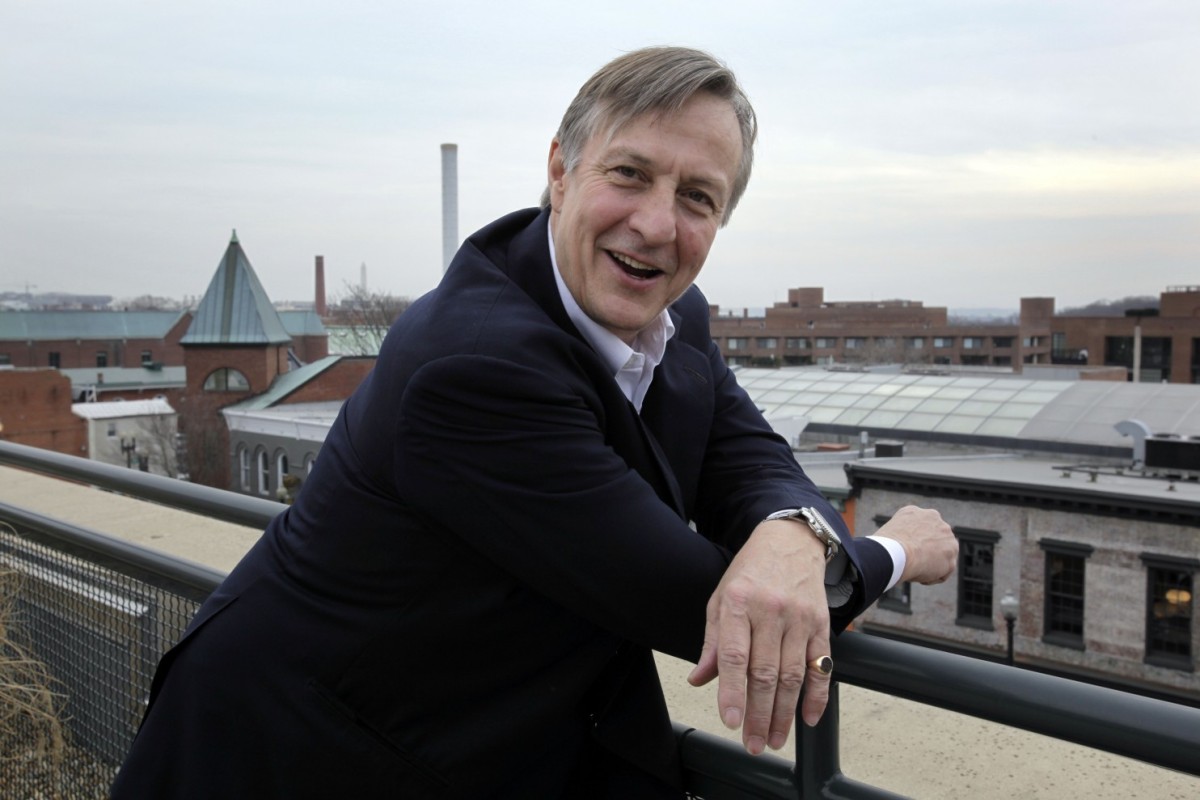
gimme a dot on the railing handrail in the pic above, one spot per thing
(1124, 724)
(227, 506)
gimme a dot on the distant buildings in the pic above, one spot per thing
(235, 350)
(1160, 345)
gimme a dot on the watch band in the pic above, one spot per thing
(817, 524)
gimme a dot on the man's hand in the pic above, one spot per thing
(930, 548)
(767, 619)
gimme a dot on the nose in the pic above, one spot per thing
(654, 216)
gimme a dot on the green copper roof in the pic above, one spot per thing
(302, 323)
(36, 326)
(285, 384)
(235, 309)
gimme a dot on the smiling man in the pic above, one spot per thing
(549, 473)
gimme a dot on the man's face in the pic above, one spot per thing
(633, 221)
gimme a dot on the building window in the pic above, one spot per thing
(915, 342)
(112, 430)
(281, 469)
(1062, 614)
(768, 342)
(101, 358)
(226, 379)
(795, 343)
(1156, 356)
(55, 359)
(943, 341)
(1169, 610)
(737, 343)
(310, 461)
(976, 555)
(1002, 341)
(826, 343)
(855, 342)
(264, 473)
(244, 468)
(972, 342)
(147, 357)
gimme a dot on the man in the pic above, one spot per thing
(463, 599)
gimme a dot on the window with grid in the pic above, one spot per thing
(976, 572)
(1169, 610)
(1062, 613)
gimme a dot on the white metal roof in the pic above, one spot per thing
(114, 409)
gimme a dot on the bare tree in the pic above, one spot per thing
(362, 319)
(161, 444)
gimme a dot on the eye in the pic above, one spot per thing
(699, 198)
(626, 171)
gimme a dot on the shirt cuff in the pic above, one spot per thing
(899, 559)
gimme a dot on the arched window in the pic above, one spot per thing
(281, 469)
(226, 379)
(264, 472)
(243, 468)
(310, 461)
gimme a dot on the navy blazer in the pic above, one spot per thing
(463, 599)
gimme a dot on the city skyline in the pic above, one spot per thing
(960, 154)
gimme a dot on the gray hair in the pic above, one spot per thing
(657, 80)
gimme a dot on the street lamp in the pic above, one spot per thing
(1009, 605)
(129, 449)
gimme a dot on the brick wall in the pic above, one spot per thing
(35, 410)
(336, 383)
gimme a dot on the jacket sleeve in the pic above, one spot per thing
(515, 462)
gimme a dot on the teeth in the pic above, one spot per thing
(635, 265)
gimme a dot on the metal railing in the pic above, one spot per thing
(99, 613)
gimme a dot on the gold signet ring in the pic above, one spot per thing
(823, 665)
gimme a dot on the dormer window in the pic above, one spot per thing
(226, 379)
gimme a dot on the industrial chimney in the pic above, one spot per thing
(449, 203)
(319, 297)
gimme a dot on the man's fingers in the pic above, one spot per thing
(733, 658)
(762, 685)
(706, 667)
(787, 693)
(816, 690)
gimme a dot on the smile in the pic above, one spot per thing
(635, 269)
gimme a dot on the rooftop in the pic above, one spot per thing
(116, 409)
(235, 309)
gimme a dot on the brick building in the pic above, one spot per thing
(274, 438)
(240, 353)
(100, 340)
(1160, 344)
(809, 330)
(97, 339)
(35, 410)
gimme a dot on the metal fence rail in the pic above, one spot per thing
(100, 612)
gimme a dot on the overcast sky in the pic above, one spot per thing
(961, 153)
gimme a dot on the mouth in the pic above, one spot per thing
(633, 268)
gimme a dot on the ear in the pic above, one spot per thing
(555, 172)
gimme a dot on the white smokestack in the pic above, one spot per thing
(362, 277)
(449, 203)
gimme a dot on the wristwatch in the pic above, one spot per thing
(820, 528)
